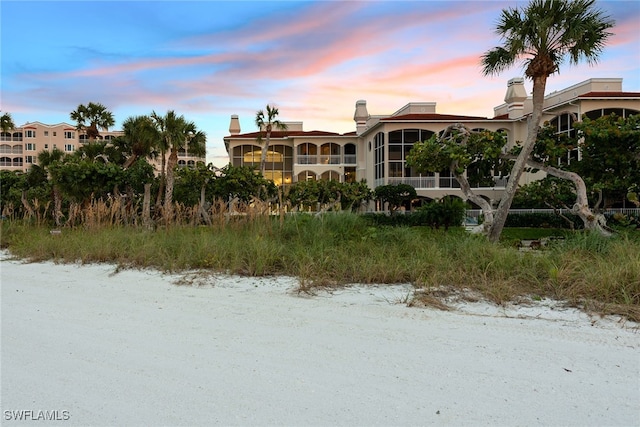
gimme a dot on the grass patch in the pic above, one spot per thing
(595, 273)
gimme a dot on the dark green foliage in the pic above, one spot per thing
(550, 192)
(308, 194)
(244, 183)
(447, 212)
(542, 220)
(610, 155)
(81, 180)
(395, 195)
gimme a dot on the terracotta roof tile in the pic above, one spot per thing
(432, 116)
(610, 95)
(283, 134)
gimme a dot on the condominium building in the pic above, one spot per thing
(20, 147)
(376, 150)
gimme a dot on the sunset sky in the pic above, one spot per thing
(313, 59)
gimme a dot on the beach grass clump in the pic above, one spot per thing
(336, 249)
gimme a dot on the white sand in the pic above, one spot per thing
(133, 348)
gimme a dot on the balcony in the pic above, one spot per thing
(433, 182)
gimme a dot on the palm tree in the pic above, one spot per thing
(92, 117)
(266, 123)
(45, 160)
(176, 133)
(140, 136)
(541, 35)
(6, 122)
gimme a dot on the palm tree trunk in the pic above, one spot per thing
(146, 206)
(539, 85)
(162, 181)
(263, 155)
(168, 191)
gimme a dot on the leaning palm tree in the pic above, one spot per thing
(6, 122)
(541, 35)
(266, 123)
(91, 118)
(176, 133)
(140, 137)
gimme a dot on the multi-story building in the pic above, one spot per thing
(376, 151)
(20, 147)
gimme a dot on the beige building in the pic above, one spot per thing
(19, 148)
(377, 149)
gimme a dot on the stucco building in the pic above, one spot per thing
(376, 150)
(20, 147)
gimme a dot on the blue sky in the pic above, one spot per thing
(313, 59)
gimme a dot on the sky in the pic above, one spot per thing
(313, 60)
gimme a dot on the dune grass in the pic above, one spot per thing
(586, 270)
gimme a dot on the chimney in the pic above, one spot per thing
(361, 116)
(515, 97)
(234, 126)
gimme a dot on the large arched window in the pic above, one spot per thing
(350, 154)
(400, 144)
(5, 149)
(307, 154)
(378, 156)
(330, 176)
(307, 176)
(330, 154)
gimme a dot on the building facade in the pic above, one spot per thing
(20, 147)
(376, 151)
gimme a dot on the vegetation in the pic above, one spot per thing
(266, 123)
(91, 118)
(335, 249)
(542, 34)
(395, 195)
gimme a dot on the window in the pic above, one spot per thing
(30, 133)
(46, 133)
(379, 155)
(69, 135)
(54, 134)
(29, 159)
(69, 147)
(30, 146)
(46, 146)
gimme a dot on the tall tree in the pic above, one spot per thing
(267, 122)
(458, 150)
(140, 138)
(47, 160)
(6, 122)
(176, 133)
(542, 34)
(91, 118)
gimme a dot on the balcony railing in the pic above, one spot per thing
(330, 159)
(427, 182)
(325, 159)
(307, 159)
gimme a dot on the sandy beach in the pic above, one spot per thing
(92, 345)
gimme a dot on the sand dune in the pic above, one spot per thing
(100, 347)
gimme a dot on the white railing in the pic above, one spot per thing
(350, 159)
(311, 159)
(330, 160)
(475, 213)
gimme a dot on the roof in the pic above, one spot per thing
(289, 134)
(432, 117)
(610, 95)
